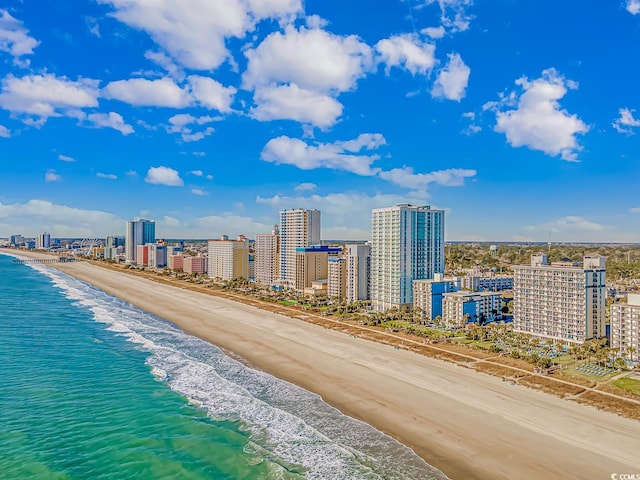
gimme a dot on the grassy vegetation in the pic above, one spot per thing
(628, 384)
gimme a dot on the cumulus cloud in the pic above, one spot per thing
(406, 51)
(4, 132)
(110, 120)
(434, 32)
(108, 176)
(164, 176)
(290, 102)
(60, 220)
(633, 6)
(626, 122)
(453, 14)
(284, 150)
(212, 94)
(163, 92)
(194, 35)
(304, 187)
(538, 122)
(406, 177)
(567, 224)
(183, 123)
(15, 39)
(452, 80)
(39, 97)
(313, 59)
(52, 176)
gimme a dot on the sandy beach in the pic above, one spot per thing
(467, 424)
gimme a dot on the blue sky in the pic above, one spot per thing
(520, 118)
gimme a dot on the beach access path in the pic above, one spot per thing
(469, 425)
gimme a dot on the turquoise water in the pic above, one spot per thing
(93, 388)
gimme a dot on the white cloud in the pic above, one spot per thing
(452, 80)
(44, 96)
(567, 224)
(163, 92)
(52, 176)
(66, 158)
(170, 222)
(212, 94)
(633, 7)
(407, 51)
(229, 224)
(337, 156)
(304, 187)
(634, 210)
(180, 124)
(290, 102)
(209, 177)
(108, 176)
(434, 32)
(626, 123)
(538, 122)
(4, 132)
(15, 39)
(198, 191)
(166, 63)
(454, 14)
(131, 173)
(194, 34)
(405, 177)
(60, 220)
(313, 59)
(197, 173)
(164, 176)
(110, 120)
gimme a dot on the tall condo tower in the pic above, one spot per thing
(358, 272)
(298, 229)
(267, 248)
(407, 244)
(139, 232)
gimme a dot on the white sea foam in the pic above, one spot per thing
(288, 425)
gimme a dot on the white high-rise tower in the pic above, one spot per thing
(298, 229)
(407, 244)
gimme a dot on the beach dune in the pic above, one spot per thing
(469, 425)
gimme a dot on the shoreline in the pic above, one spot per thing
(465, 424)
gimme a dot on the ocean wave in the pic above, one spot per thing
(289, 426)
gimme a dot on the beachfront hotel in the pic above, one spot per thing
(407, 244)
(312, 265)
(564, 301)
(428, 295)
(43, 241)
(139, 232)
(298, 229)
(267, 257)
(358, 272)
(625, 327)
(228, 259)
(337, 278)
(460, 308)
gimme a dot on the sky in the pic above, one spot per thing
(520, 119)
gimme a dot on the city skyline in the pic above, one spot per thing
(117, 109)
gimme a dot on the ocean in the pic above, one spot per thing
(94, 388)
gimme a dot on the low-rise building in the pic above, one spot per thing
(428, 295)
(194, 264)
(460, 308)
(176, 261)
(491, 283)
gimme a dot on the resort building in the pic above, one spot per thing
(563, 301)
(176, 261)
(337, 278)
(491, 283)
(267, 258)
(139, 232)
(407, 244)
(358, 272)
(298, 229)
(428, 295)
(194, 264)
(460, 308)
(43, 241)
(625, 327)
(228, 259)
(312, 264)
(157, 255)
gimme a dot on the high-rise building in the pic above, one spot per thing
(358, 272)
(337, 278)
(625, 327)
(43, 241)
(176, 261)
(139, 232)
(228, 259)
(407, 244)
(142, 255)
(563, 301)
(298, 229)
(194, 264)
(312, 265)
(157, 255)
(267, 258)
